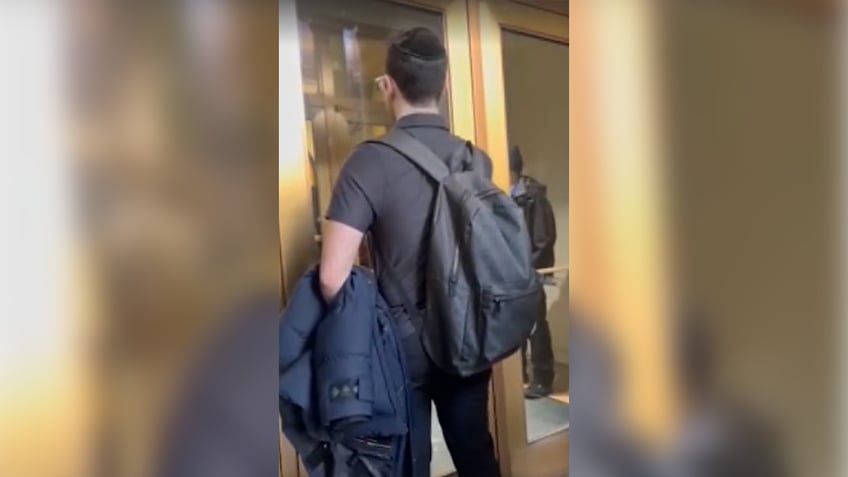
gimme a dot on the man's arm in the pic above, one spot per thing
(356, 196)
(340, 246)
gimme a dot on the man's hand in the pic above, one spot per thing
(340, 246)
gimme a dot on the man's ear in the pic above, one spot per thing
(391, 87)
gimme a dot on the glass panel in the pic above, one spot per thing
(343, 49)
(536, 88)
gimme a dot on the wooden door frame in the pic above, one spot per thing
(487, 20)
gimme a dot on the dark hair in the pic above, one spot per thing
(693, 348)
(417, 62)
(516, 160)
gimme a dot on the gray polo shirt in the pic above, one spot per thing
(382, 193)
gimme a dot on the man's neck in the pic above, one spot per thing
(407, 110)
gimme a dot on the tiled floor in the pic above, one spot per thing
(549, 415)
(441, 463)
(545, 417)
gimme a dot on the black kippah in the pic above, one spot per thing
(420, 43)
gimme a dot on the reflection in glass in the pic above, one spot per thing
(343, 49)
(536, 89)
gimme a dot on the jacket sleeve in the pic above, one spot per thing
(344, 384)
(542, 232)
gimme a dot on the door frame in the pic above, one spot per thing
(488, 18)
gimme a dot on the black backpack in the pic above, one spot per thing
(483, 294)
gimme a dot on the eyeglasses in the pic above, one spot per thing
(380, 82)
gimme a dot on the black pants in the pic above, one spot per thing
(462, 408)
(541, 351)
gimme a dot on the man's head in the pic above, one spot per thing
(516, 164)
(416, 66)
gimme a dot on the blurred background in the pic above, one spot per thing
(140, 307)
(149, 149)
(706, 260)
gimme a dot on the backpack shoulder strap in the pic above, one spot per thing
(419, 154)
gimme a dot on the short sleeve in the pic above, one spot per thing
(358, 189)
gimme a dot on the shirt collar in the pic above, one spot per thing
(431, 120)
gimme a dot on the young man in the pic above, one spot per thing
(382, 193)
(531, 196)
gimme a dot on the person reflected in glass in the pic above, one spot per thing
(531, 196)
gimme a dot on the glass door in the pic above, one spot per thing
(523, 68)
(330, 53)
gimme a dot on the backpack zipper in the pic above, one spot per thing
(453, 274)
(499, 299)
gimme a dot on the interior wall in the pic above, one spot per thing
(536, 89)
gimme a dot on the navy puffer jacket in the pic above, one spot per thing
(343, 399)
